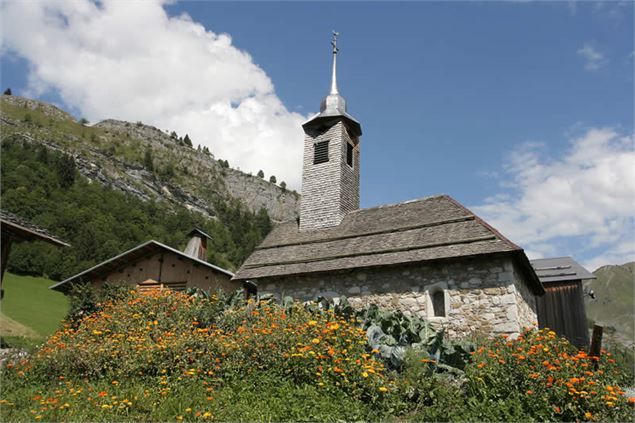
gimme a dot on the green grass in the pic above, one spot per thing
(30, 302)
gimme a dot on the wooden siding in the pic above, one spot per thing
(169, 268)
(561, 309)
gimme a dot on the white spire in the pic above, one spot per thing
(334, 77)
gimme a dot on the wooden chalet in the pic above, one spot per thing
(562, 307)
(155, 265)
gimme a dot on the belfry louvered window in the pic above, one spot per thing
(321, 152)
(349, 154)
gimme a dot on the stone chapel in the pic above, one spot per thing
(432, 256)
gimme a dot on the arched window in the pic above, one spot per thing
(438, 303)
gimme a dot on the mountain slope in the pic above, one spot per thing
(108, 187)
(614, 303)
(144, 161)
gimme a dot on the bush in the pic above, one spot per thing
(163, 355)
(544, 377)
(184, 347)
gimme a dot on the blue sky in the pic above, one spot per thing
(522, 111)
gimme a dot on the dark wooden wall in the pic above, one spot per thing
(169, 268)
(561, 309)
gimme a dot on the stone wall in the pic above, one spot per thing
(330, 189)
(479, 295)
(527, 308)
(349, 190)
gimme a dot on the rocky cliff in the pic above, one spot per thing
(144, 160)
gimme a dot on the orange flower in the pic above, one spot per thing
(556, 409)
(631, 400)
(529, 392)
(481, 365)
(588, 415)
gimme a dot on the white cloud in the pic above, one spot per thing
(580, 204)
(130, 60)
(594, 59)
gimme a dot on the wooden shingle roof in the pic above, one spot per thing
(432, 228)
(22, 230)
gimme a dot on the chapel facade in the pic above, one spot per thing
(432, 257)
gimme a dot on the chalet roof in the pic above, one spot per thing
(22, 230)
(146, 249)
(560, 269)
(428, 229)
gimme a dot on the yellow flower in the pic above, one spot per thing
(179, 418)
(365, 375)
(315, 341)
(312, 322)
(383, 389)
(588, 415)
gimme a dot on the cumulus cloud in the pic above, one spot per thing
(594, 59)
(132, 61)
(581, 204)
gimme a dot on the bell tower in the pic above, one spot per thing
(330, 172)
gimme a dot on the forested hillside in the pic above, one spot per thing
(152, 164)
(614, 302)
(43, 185)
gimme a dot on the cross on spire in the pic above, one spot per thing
(334, 76)
(334, 42)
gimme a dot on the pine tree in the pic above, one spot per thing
(187, 140)
(147, 160)
(7, 91)
(272, 179)
(261, 174)
(283, 185)
(66, 171)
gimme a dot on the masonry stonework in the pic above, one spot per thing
(330, 189)
(482, 296)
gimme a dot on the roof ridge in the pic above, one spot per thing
(143, 244)
(552, 258)
(383, 206)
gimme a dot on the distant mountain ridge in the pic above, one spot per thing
(144, 161)
(614, 303)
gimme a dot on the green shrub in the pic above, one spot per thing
(543, 377)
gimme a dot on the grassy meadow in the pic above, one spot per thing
(30, 311)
